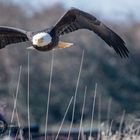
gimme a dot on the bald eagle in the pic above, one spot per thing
(48, 39)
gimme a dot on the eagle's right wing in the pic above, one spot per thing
(10, 35)
(76, 19)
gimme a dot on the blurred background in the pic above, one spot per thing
(118, 79)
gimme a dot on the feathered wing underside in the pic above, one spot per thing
(76, 19)
(10, 35)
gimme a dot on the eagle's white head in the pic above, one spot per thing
(41, 39)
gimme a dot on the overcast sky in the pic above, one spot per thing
(111, 8)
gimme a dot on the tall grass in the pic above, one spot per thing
(106, 134)
(28, 95)
(64, 118)
(81, 121)
(15, 97)
(75, 95)
(49, 92)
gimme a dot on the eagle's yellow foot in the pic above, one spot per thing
(62, 45)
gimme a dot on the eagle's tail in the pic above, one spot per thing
(62, 45)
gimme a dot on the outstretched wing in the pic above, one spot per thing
(10, 35)
(76, 19)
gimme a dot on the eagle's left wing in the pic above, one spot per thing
(76, 19)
